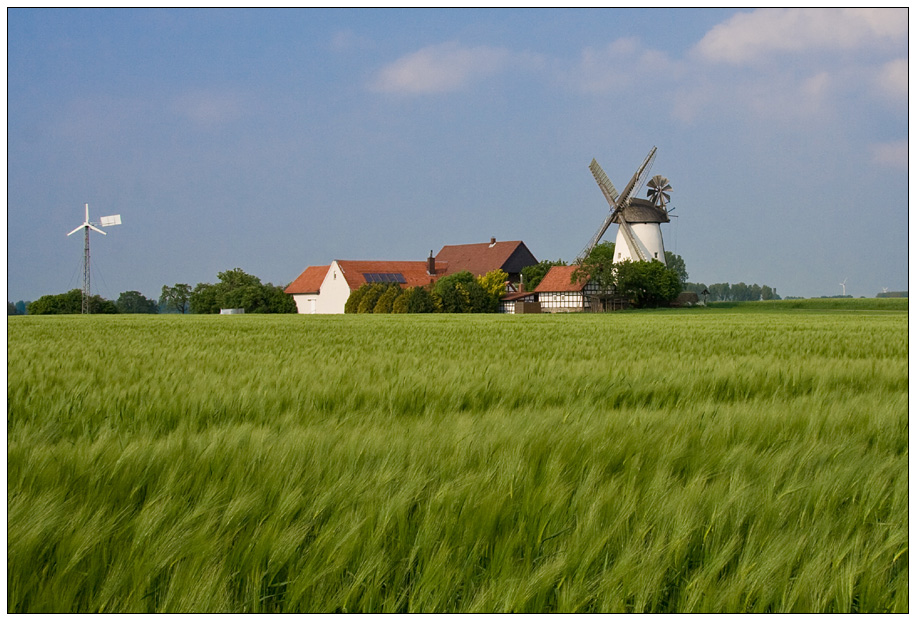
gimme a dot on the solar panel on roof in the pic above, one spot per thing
(384, 277)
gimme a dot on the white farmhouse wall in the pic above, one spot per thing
(649, 239)
(306, 303)
(334, 291)
(333, 294)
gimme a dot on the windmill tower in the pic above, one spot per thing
(639, 237)
(107, 221)
(843, 287)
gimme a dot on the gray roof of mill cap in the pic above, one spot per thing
(641, 210)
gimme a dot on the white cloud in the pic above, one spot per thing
(748, 37)
(892, 79)
(444, 68)
(892, 154)
(347, 40)
(209, 108)
(622, 63)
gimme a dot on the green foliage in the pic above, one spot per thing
(646, 283)
(533, 275)
(238, 290)
(175, 298)
(70, 303)
(414, 300)
(462, 293)
(356, 297)
(738, 292)
(11, 309)
(410, 464)
(400, 304)
(494, 285)
(135, 302)
(676, 263)
(643, 283)
(598, 267)
(384, 304)
(373, 292)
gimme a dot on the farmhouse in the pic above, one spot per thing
(557, 293)
(325, 289)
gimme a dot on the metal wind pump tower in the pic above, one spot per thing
(106, 221)
(639, 237)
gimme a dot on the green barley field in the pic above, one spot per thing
(751, 458)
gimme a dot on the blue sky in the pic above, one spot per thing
(274, 140)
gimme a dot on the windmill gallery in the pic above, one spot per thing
(326, 288)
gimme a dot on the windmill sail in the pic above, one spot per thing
(635, 249)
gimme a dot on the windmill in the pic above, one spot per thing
(844, 287)
(639, 237)
(106, 221)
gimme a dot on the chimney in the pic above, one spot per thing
(493, 241)
(431, 265)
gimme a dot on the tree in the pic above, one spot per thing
(356, 296)
(135, 302)
(70, 303)
(720, 292)
(598, 267)
(175, 298)
(646, 283)
(769, 293)
(278, 301)
(11, 308)
(676, 263)
(54, 304)
(494, 285)
(239, 290)
(533, 275)
(461, 293)
(384, 304)
(371, 297)
(21, 307)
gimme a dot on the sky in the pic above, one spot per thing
(272, 140)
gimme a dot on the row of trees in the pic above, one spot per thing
(456, 293)
(737, 292)
(72, 302)
(235, 290)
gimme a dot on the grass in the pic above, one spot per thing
(714, 461)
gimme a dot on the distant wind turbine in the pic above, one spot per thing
(107, 221)
(844, 287)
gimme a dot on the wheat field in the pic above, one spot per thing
(747, 459)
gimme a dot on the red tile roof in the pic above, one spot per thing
(414, 272)
(309, 281)
(558, 280)
(479, 259)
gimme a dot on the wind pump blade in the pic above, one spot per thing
(659, 191)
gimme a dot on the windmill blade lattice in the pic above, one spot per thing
(659, 190)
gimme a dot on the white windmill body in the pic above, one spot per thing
(106, 221)
(643, 220)
(639, 236)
